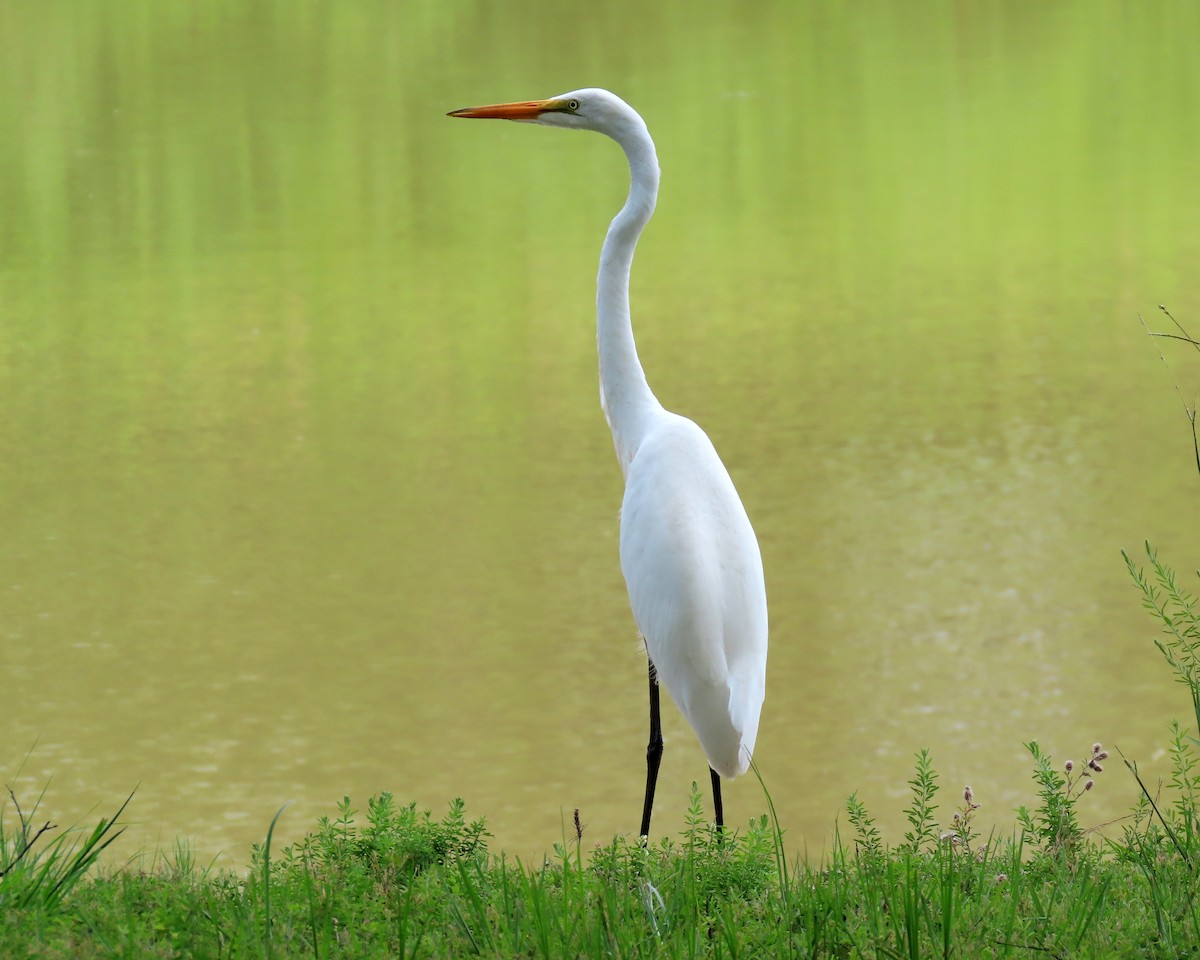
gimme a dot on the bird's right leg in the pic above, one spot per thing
(718, 809)
(654, 751)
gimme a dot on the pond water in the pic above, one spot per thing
(306, 491)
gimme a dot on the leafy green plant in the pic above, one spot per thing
(711, 866)
(1053, 826)
(867, 839)
(397, 841)
(1178, 822)
(962, 832)
(1185, 784)
(923, 830)
(1176, 609)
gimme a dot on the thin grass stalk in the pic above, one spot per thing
(777, 835)
(1132, 767)
(268, 945)
(948, 901)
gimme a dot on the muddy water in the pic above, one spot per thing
(306, 491)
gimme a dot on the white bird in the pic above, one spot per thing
(689, 555)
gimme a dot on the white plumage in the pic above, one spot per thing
(689, 555)
(695, 581)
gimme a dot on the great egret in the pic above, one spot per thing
(689, 555)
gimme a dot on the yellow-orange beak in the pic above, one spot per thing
(523, 110)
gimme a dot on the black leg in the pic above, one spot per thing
(654, 752)
(717, 808)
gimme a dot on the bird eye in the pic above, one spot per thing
(572, 105)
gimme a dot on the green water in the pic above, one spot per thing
(305, 486)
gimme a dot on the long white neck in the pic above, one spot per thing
(625, 396)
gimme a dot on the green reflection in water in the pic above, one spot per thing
(306, 488)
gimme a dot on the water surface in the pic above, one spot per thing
(306, 491)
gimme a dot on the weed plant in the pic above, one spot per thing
(40, 865)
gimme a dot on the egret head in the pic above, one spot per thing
(587, 109)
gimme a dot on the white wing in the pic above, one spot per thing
(694, 573)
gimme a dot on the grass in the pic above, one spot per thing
(392, 881)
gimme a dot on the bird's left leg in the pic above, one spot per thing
(654, 751)
(718, 810)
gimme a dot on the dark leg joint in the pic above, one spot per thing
(654, 750)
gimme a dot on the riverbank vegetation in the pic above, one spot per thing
(392, 881)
